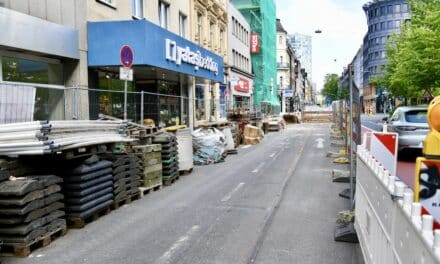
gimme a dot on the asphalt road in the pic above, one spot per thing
(272, 203)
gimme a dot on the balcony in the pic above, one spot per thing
(283, 65)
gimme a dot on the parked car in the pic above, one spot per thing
(410, 123)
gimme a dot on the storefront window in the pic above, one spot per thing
(108, 99)
(31, 71)
(49, 102)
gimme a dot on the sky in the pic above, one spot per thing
(343, 24)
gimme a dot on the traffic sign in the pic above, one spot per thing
(125, 74)
(126, 56)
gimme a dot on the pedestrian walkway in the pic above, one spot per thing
(302, 229)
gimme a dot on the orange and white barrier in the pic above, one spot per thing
(389, 225)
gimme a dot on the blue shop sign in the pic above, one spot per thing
(153, 46)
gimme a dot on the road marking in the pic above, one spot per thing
(319, 135)
(271, 155)
(258, 167)
(229, 195)
(319, 143)
(168, 256)
(246, 146)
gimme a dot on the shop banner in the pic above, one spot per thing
(288, 93)
(255, 47)
(241, 85)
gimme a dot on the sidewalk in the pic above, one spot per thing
(302, 230)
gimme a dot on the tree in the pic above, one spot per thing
(413, 56)
(331, 89)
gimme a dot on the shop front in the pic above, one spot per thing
(172, 77)
(240, 95)
(34, 55)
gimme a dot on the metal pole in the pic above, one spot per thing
(142, 107)
(350, 77)
(125, 100)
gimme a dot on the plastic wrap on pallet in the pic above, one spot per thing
(209, 146)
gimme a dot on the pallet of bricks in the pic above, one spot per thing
(125, 171)
(151, 163)
(88, 190)
(31, 210)
(170, 160)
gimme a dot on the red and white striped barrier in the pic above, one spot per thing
(389, 225)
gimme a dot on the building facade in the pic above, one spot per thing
(284, 69)
(239, 66)
(358, 70)
(208, 29)
(302, 45)
(166, 64)
(261, 16)
(384, 18)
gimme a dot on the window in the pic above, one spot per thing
(376, 12)
(383, 40)
(382, 54)
(221, 39)
(404, 7)
(390, 24)
(397, 8)
(281, 59)
(280, 40)
(211, 34)
(389, 9)
(163, 14)
(382, 26)
(376, 27)
(137, 8)
(383, 10)
(199, 28)
(398, 23)
(182, 25)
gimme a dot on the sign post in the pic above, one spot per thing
(125, 72)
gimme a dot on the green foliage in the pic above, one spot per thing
(331, 88)
(413, 56)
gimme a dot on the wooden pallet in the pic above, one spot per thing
(146, 190)
(25, 249)
(86, 151)
(78, 222)
(168, 182)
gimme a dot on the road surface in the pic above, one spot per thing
(272, 203)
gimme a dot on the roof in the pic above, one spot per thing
(280, 26)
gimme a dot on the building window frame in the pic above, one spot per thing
(163, 12)
(183, 18)
(137, 9)
(211, 34)
(199, 27)
(221, 39)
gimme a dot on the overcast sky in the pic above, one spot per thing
(343, 26)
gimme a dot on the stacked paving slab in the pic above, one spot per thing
(30, 209)
(151, 160)
(88, 188)
(170, 160)
(125, 170)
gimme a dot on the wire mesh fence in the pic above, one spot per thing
(27, 102)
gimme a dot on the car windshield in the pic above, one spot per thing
(416, 116)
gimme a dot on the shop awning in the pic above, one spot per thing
(152, 46)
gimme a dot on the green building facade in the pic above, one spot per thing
(261, 16)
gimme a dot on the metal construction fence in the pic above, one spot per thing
(22, 102)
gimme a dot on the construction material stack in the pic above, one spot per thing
(31, 213)
(125, 170)
(151, 160)
(170, 160)
(88, 190)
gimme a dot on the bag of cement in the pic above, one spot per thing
(230, 145)
(209, 146)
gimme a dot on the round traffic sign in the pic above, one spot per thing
(126, 56)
